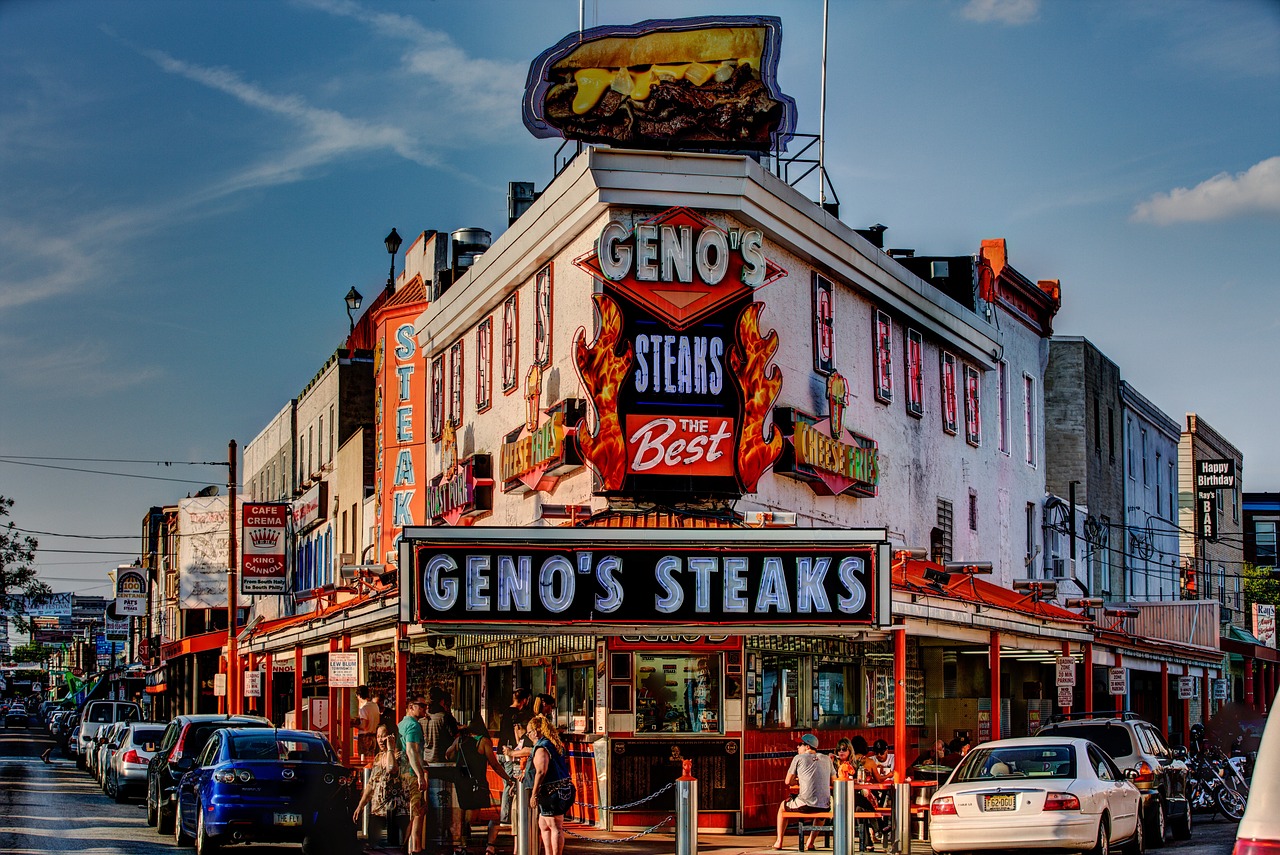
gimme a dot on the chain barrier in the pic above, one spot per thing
(635, 836)
(628, 805)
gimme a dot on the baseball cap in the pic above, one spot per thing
(810, 740)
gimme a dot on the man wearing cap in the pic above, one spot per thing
(810, 772)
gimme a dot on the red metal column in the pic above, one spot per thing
(1066, 651)
(297, 688)
(900, 701)
(1088, 676)
(402, 672)
(252, 705)
(268, 680)
(1164, 700)
(995, 685)
(1248, 683)
(1120, 699)
(344, 713)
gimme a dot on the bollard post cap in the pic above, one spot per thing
(687, 768)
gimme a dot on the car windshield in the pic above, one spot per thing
(1111, 738)
(100, 714)
(1024, 761)
(267, 746)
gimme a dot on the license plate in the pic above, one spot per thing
(288, 819)
(1000, 802)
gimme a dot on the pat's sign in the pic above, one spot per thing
(680, 374)
(645, 576)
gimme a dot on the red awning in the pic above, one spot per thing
(909, 574)
(194, 644)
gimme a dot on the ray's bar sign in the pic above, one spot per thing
(574, 576)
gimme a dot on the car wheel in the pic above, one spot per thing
(180, 837)
(1182, 825)
(1103, 846)
(1157, 822)
(1136, 844)
(205, 845)
(80, 764)
(118, 791)
(106, 785)
(153, 818)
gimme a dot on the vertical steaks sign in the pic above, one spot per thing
(576, 576)
(680, 375)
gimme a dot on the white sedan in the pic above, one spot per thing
(1036, 793)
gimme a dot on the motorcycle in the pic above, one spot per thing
(1215, 784)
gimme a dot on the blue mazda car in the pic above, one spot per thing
(266, 785)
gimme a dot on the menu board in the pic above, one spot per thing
(641, 767)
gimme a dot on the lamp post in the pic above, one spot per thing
(392, 242)
(354, 298)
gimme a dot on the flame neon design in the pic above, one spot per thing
(759, 382)
(602, 369)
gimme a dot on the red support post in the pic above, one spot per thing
(344, 713)
(1186, 713)
(268, 681)
(1066, 651)
(1164, 700)
(1120, 699)
(402, 672)
(297, 688)
(995, 686)
(900, 701)
(1088, 676)
(252, 705)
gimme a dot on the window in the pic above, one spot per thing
(321, 456)
(1145, 477)
(973, 511)
(1097, 429)
(1002, 406)
(1030, 556)
(824, 342)
(437, 396)
(972, 406)
(1172, 508)
(915, 374)
(1030, 416)
(311, 441)
(1264, 540)
(1128, 447)
(882, 357)
(1159, 488)
(950, 417)
(780, 690)
(941, 538)
(510, 344)
(484, 359)
(678, 693)
(455, 383)
(1235, 504)
(1111, 434)
(576, 697)
(542, 317)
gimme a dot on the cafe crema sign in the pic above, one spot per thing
(645, 577)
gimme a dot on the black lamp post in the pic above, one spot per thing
(393, 246)
(354, 298)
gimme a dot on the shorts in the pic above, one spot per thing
(794, 804)
(412, 792)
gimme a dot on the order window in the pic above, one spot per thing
(678, 693)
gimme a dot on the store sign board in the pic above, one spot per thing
(1207, 514)
(706, 83)
(1264, 623)
(1117, 681)
(1215, 474)
(263, 562)
(131, 592)
(576, 576)
(535, 459)
(344, 670)
(310, 508)
(1066, 672)
(680, 375)
(202, 552)
(834, 460)
(463, 493)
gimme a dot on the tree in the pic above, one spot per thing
(33, 652)
(1260, 585)
(19, 585)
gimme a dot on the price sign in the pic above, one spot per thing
(1117, 681)
(1186, 688)
(219, 685)
(1066, 672)
(344, 670)
(1066, 694)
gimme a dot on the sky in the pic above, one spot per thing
(190, 189)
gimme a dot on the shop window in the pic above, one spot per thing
(466, 700)
(484, 360)
(497, 693)
(972, 406)
(837, 696)
(455, 384)
(915, 373)
(678, 693)
(437, 397)
(780, 691)
(576, 697)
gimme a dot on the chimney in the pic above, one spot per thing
(875, 234)
(994, 251)
(520, 197)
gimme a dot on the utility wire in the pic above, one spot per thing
(116, 460)
(99, 472)
(79, 536)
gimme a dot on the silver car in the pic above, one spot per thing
(126, 773)
(102, 746)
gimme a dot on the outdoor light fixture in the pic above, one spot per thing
(354, 298)
(392, 242)
(912, 552)
(1037, 590)
(1084, 603)
(1120, 611)
(969, 568)
(937, 577)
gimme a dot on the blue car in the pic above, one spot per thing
(266, 785)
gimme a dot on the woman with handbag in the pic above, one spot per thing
(553, 789)
(474, 755)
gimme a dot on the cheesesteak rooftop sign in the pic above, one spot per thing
(573, 576)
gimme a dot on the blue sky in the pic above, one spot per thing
(189, 189)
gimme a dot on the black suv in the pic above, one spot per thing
(183, 740)
(1159, 773)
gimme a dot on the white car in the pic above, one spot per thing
(1259, 830)
(1036, 793)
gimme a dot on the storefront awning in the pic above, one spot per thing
(919, 576)
(1241, 642)
(194, 644)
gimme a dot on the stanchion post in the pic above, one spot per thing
(902, 817)
(523, 825)
(687, 812)
(842, 815)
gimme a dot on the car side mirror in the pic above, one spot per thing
(1131, 773)
(1180, 752)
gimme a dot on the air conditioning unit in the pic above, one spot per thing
(1058, 568)
(347, 558)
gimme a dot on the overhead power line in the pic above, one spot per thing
(116, 460)
(13, 462)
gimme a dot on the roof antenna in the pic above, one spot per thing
(822, 116)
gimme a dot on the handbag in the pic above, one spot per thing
(557, 797)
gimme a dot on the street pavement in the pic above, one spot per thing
(56, 808)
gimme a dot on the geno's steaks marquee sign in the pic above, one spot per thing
(575, 576)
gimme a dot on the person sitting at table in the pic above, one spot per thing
(810, 774)
(884, 760)
(867, 772)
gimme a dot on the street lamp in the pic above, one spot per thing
(392, 242)
(353, 298)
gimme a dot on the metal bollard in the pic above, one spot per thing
(922, 818)
(367, 813)
(842, 816)
(902, 817)
(524, 827)
(687, 812)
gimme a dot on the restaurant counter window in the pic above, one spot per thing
(677, 693)
(576, 697)
(781, 691)
(837, 696)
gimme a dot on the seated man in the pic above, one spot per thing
(810, 772)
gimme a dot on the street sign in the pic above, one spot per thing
(1117, 681)
(219, 685)
(1066, 672)
(1186, 688)
(1220, 689)
(253, 684)
(1065, 696)
(344, 670)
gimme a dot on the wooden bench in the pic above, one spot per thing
(814, 823)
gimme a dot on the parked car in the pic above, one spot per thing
(126, 772)
(184, 738)
(1259, 829)
(56, 719)
(99, 714)
(73, 742)
(108, 740)
(1036, 793)
(16, 716)
(252, 785)
(1162, 774)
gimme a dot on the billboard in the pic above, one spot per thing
(401, 432)
(1264, 624)
(706, 83)
(202, 552)
(263, 544)
(131, 591)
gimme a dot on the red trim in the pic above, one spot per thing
(194, 644)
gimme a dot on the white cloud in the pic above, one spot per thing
(1224, 196)
(1010, 12)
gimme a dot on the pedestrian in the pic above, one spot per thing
(473, 753)
(386, 791)
(414, 775)
(810, 772)
(370, 717)
(545, 705)
(553, 789)
(440, 729)
(511, 736)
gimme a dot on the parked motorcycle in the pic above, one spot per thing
(1217, 785)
